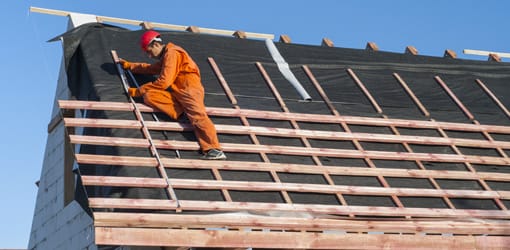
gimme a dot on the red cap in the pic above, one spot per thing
(148, 37)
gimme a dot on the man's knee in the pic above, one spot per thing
(163, 103)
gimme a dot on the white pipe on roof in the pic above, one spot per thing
(284, 68)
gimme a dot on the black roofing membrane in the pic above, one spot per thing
(92, 76)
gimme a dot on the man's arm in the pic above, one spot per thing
(145, 68)
(169, 71)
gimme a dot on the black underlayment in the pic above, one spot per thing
(93, 76)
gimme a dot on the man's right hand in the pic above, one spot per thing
(125, 64)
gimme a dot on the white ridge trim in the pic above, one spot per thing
(284, 68)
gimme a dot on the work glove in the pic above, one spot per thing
(134, 92)
(125, 64)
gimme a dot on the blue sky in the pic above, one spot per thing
(30, 64)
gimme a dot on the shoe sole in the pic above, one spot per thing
(215, 158)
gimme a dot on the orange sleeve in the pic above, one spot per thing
(145, 68)
(169, 71)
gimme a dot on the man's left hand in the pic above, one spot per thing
(125, 64)
(134, 92)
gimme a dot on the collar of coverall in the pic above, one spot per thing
(163, 51)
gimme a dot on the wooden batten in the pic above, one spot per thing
(147, 25)
(326, 42)
(317, 209)
(493, 97)
(193, 29)
(450, 54)
(240, 34)
(494, 57)
(154, 25)
(285, 39)
(411, 50)
(289, 240)
(454, 98)
(149, 220)
(371, 46)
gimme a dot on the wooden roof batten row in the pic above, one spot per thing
(284, 132)
(271, 115)
(493, 221)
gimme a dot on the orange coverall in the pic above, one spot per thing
(180, 73)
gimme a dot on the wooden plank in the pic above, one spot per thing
(102, 19)
(223, 82)
(372, 46)
(290, 150)
(220, 206)
(326, 42)
(365, 90)
(94, 105)
(154, 24)
(454, 98)
(236, 220)
(115, 181)
(239, 34)
(412, 95)
(49, 11)
(448, 53)
(321, 91)
(289, 168)
(118, 160)
(411, 50)
(493, 97)
(494, 57)
(285, 39)
(295, 240)
(193, 29)
(270, 115)
(133, 203)
(104, 123)
(246, 220)
(147, 25)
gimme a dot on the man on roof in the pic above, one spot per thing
(177, 90)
